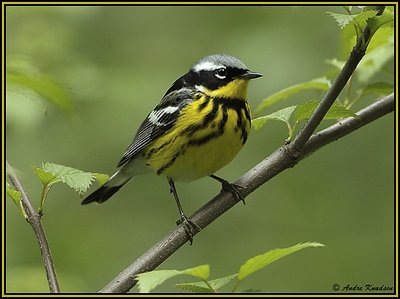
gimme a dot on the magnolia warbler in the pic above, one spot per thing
(198, 127)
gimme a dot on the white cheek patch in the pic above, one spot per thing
(206, 66)
(156, 116)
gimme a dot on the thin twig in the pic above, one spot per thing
(274, 164)
(34, 219)
(346, 72)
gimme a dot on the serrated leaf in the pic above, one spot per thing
(149, 280)
(349, 34)
(305, 110)
(377, 88)
(357, 19)
(101, 178)
(260, 261)
(322, 84)
(202, 271)
(45, 177)
(342, 19)
(280, 115)
(201, 286)
(76, 179)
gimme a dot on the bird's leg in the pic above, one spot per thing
(187, 224)
(234, 189)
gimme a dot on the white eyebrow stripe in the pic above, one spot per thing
(207, 66)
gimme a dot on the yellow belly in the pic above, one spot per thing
(188, 155)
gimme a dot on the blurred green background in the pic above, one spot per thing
(116, 63)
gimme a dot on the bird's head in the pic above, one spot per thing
(222, 75)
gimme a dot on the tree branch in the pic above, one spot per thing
(348, 69)
(348, 125)
(274, 164)
(34, 219)
(285, 157)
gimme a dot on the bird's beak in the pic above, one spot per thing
(250, 75)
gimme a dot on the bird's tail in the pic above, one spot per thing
(114, 183)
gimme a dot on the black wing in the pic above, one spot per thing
(159, 121)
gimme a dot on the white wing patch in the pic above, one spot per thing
(155, 116)
(206, 66)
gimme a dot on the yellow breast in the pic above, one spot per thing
(207, 136)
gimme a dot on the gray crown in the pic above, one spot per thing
(215, 61)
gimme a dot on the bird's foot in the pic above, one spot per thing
(232, 188)
(189, 226)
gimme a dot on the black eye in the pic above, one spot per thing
(221, 73)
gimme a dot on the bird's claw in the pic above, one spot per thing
(234, 189)
(189, 226)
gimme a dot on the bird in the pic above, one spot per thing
(198, 127)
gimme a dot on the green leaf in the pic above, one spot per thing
(202, 271)
(13, 193)
(359, 20)
(378, 88)
(76, 179)
(390, 8)
(45, 87)
(362, 18)
(342, 19)
(201, 286)
(48, 180)
(374, 61)
(51, 173)
(221, 282)
(378, 21)
(349, 34)
(16, 197)
(292, 115)
(319, 84)
(45, 177)
(280, 115)
(260, 261)
(305, 110)
(149, 280)
(101, 178)
(383, 37)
